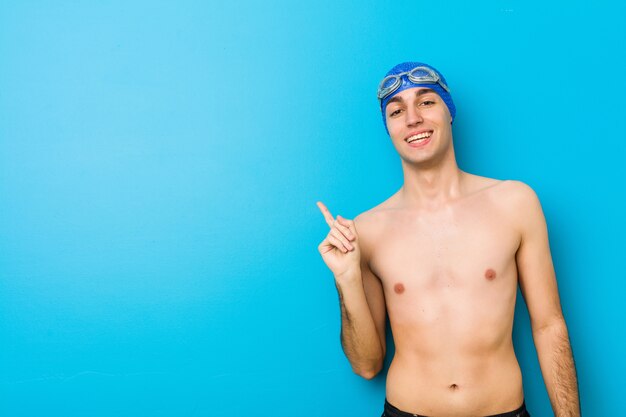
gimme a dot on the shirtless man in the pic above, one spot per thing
(443, 257)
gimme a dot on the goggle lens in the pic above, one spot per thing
(389, 82)
(421, 75)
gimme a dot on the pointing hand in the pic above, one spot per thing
(340, 248)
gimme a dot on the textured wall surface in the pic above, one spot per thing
(160, 164)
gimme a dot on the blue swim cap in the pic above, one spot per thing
(407, 83)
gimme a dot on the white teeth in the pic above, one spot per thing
(418, 137)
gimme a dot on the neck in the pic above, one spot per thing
(431, 184)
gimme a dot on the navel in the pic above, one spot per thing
(398, 288)
(490, 274)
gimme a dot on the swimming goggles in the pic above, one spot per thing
(418, 75)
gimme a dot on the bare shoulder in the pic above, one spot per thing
(519, 194)
(371, 223)
(507, 191)
(521, 202)
(513, 199)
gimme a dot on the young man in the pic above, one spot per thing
(443, 257)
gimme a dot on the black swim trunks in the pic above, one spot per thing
(391, 411)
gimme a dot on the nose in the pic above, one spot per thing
(413, 116)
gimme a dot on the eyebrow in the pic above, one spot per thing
(417, 94)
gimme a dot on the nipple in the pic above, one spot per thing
(490, 274)
(398, 288)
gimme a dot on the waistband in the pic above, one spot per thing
(391, 411)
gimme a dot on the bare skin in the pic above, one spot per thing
(443, 257)
(449, 281)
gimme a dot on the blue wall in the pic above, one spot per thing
(160, 164)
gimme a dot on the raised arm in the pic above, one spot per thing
(538, 285)
(360, 332)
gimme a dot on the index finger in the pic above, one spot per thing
(329, 217)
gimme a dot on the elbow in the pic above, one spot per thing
(369, 375)
(550, 326)
(369, 372)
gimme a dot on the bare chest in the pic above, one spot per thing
(467, 247)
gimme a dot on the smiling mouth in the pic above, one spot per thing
(419, 138)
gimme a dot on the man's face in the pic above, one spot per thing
(415, 111)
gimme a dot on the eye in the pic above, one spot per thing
(427, 102)
(393, 113)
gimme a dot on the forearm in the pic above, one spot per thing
(558, 369)
(359, 338)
